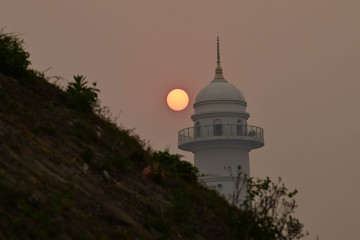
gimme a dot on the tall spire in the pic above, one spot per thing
(218, 51)
(218, 71)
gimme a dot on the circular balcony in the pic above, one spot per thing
(249, 136)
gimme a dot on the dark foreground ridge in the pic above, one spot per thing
(68, 172)
(69, 175)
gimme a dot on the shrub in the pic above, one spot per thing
(14, 60)
(80, 96)
(185, 171)
(166, 165)
(267, 211)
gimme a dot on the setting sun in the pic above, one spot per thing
(177, 99)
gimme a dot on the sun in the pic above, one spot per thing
(177, 99)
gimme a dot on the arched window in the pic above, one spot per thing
(217, 127)
(239, 128)
(197, 129)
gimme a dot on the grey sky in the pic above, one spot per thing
(296, 62)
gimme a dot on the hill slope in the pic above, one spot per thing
(67, 171)
(68, 175)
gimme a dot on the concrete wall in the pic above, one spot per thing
(229, 112)
(211, 163)
(220, 106)
(224, 120)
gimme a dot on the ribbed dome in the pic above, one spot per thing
(219, 89)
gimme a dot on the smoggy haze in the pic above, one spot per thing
(296, 62)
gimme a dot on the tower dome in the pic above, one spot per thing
(219, 91)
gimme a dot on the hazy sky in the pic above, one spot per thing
(297, 62)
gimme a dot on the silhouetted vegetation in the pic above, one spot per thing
(14, 60)
(169, 167)
(68, 171)
(268, 208)
(80, 96)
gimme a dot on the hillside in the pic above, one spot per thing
(66, 175)
(68, 171)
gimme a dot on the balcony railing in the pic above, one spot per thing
(220, 131)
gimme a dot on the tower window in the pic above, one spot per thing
(219, 185)
(217, 128)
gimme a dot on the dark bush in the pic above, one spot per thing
(268, 212)
(166, 165)
(80, 96)
(14, 60)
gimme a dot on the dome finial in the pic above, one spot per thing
(218, 71)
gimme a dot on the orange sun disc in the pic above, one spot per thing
(177, 99)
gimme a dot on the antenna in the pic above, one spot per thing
(218, 51)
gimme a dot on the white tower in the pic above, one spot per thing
(221, 137)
